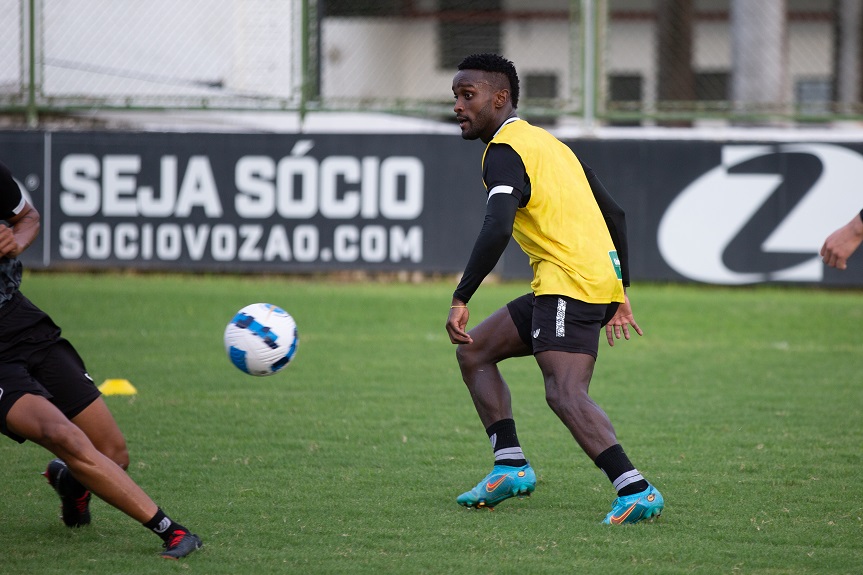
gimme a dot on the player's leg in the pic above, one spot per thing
(57, 367)
(60, 369)
(567, 380)
(34, 418)
(47, 366)
(99, 425)
(495, 339)
(566, 353)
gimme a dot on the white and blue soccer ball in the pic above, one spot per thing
(261, 339)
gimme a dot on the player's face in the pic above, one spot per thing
(474, 105)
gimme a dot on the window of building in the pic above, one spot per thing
(624, 90)
(466, 28)
(813, 95)
(540, 86)
(362, 8)
(711, 86)
(624, 87)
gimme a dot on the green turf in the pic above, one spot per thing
(742, 405)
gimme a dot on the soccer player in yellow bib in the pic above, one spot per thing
(575, 236)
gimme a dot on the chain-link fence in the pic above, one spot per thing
(619, 61)
(220, 54)
(680, 59)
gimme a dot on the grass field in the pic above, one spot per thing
(742, 405)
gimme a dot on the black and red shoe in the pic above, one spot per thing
(180, 543)
(74, 498)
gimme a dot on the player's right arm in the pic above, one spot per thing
(490, 245)
(23, 219)
(505, 179)
(504, 175)
(839, 245)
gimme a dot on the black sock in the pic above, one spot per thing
(162, 525)
(504, 443)
(623, 475)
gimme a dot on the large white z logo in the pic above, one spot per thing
(700, 223)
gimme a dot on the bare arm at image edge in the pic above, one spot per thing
(841, 244)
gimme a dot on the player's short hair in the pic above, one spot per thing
(494, 63)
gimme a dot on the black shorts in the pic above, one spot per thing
(35, 360)
(560, 323)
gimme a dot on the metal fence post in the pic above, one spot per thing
(588, 63)
(32, 109)
(312, 13)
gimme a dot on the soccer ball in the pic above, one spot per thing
(261, 339)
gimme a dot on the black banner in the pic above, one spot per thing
(730, 213)
(259, 202)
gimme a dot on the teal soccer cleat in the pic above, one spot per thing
(502, 483)
(633, 508)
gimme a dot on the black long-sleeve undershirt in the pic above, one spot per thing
(490, 244)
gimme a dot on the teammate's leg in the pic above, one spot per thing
(58, 368)
(97, 423)
(36, 419)
(100, 427)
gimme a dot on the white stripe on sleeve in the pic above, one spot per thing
(499, 190)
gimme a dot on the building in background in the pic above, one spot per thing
(612, 61)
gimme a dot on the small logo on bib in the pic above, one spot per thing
(615, 261)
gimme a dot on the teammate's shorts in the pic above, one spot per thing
(560, 323)
(35, 360)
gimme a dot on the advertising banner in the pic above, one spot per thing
(725, 213)
(265, 203)
(728, 213)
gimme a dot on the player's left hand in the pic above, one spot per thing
(621, 322)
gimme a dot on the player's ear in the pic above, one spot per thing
(501, 97)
